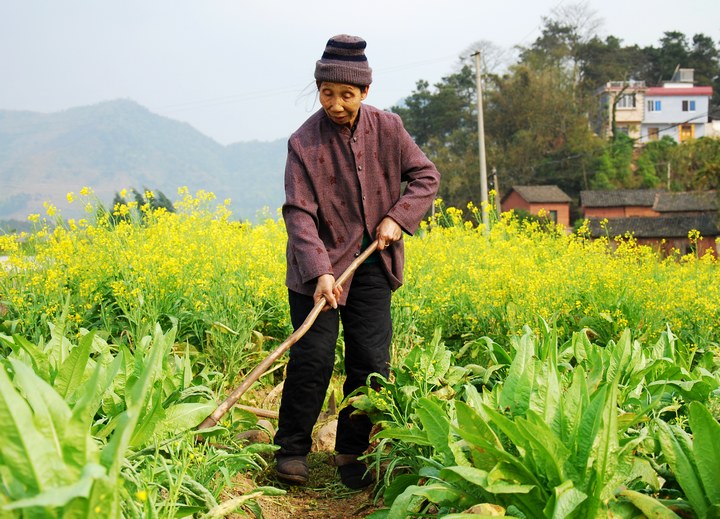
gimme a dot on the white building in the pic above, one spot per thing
(677, 109)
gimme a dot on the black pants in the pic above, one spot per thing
(367, 330)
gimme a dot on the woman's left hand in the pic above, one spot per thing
(387, 232)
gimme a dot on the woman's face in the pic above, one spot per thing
(341, 102)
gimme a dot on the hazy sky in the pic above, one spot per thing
(241, 70)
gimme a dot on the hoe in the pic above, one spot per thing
(261, 368)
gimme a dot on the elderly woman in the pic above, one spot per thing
(343, 185)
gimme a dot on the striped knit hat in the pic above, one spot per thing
(344, 61)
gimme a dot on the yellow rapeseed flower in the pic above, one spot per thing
(470, 280)
(50, 209)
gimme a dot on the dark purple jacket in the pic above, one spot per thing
(338, 185)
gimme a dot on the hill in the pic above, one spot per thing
(120, 144)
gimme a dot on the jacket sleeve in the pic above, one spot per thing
(306, 251)
(423, 180)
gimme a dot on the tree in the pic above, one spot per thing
(538, 132)
(439, 113)
(704, 58)
(613, 167)
(621, 150)
(607, 60)
(564, 36)
(604, 172)
(443, 121)
(659, 153)
(696, 164)
(646, 173)
(674, 51)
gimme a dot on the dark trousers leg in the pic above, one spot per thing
(308, 375)
(367, 330)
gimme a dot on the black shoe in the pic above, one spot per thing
(292, 469)
(353, 473)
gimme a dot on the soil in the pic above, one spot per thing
(324, 497)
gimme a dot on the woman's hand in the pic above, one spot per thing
(387, 232)
(325, 288)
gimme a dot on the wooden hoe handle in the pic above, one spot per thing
(261, 368)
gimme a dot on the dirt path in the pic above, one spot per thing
(324, 497)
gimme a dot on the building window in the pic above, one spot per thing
(626, 101)
(688, 106)
(654, 106)
(553, 215)
(653, 134)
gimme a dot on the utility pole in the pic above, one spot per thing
(481, 143)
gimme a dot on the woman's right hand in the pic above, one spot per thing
(325, 288)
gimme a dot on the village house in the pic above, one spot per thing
(663, 220)
(677, 108)
(551, 200)
(618, 203)
(621, 102)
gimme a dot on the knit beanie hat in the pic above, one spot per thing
(344, 61)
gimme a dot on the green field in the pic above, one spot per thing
(536, 372)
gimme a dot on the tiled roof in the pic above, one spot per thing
(687, 201)
(538, 194)
(618, 197)
(656, 227)
(679, 91)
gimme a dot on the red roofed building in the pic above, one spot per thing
(677, 109)
(550, 200)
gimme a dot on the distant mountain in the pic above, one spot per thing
(120, 144)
